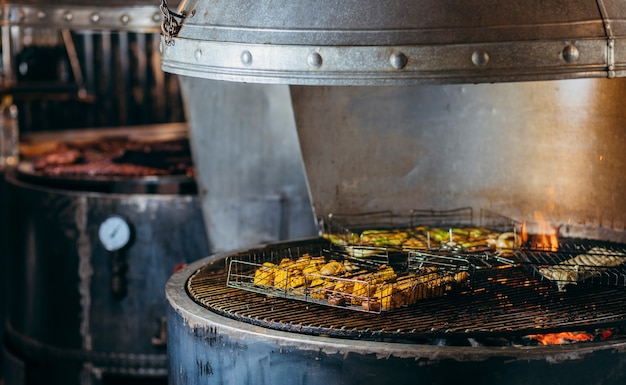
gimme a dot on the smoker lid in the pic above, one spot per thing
(358, 42)
(132, 15)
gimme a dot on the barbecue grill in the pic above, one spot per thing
(493, 328)
(541, 144)
(83, 235)
(551, 145)
(92, 237)
(509, 302)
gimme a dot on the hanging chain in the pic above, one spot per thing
(171, 25)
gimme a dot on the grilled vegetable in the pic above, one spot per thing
(374, 241)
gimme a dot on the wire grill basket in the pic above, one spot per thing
(451, 230)
(325, 277)
(579, 261)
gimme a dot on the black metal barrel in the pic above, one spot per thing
(88, 305)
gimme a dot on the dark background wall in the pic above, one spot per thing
(86, 79)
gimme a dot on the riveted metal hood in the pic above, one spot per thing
(358, 42)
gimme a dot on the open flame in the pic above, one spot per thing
(542, 236)
(569, 337)
(561, 338)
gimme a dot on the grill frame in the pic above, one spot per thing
(234, 352)
(532, 299)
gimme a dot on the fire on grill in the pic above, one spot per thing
(566, 337)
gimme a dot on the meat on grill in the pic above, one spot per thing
(117, 157)
(582, 266)
(104, 167)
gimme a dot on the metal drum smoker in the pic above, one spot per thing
(92, 243)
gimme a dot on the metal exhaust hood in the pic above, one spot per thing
(359, 42)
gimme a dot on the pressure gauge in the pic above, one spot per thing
(114, 233)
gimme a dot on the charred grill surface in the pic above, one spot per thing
(500, 306)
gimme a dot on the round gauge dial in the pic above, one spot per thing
(114, 233)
